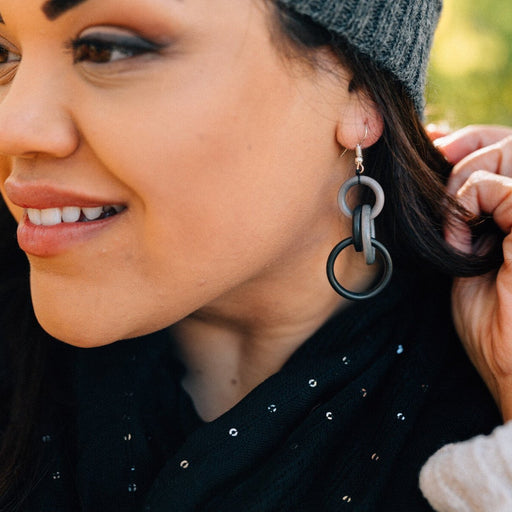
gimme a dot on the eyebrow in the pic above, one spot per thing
(55, 8)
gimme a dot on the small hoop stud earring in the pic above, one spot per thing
(363, 231)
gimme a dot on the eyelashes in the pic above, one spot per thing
(97, 49)
(7, 56)
(103, 49)
(93, 49)
(9, 60)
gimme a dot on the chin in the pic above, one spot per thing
(76, 309)
(76, 331)
(87, 308)
(75, 324)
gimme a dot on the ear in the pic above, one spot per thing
(359, 116)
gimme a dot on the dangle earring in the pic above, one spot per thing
(363, 232)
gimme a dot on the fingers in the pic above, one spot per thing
(489, 193)
(483, 192)
(461, 143)
(496, 158)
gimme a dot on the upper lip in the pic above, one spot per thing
(42, 195)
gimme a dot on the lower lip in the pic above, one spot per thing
(47, 241)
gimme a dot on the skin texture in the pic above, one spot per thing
(226, 157)
(482, 181)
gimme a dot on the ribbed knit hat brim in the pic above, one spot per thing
(395, 34)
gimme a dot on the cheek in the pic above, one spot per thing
(215, 195)
(201, 177)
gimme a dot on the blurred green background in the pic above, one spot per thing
(471, 69)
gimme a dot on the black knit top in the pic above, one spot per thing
(345, 425)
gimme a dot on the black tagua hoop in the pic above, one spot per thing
(383, 282)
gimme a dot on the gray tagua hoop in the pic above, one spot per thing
(363, 233)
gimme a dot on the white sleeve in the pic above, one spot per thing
(471, 476)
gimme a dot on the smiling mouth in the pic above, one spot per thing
(71, 214)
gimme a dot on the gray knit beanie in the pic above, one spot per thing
(395, 34)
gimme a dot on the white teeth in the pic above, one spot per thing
(71, 213)
(34, 216)
(51, 216)
(93, 213)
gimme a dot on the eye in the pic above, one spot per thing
(9, 60)
(106, 48)
(7, 56)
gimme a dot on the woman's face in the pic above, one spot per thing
(209, 159)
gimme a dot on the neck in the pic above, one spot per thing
(233, 345)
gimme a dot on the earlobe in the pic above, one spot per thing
(359, 123)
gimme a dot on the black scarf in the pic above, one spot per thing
(345, 425)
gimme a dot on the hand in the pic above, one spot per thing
(482, 306)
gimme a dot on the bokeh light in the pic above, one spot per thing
(470, 79)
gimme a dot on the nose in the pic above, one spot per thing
(34, 120)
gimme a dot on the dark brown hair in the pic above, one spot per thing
(412, 172)
(22, 354)
(404, 161)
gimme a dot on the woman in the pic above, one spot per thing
(174, 164)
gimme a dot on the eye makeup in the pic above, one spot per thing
(102, 48)
(7, 56)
